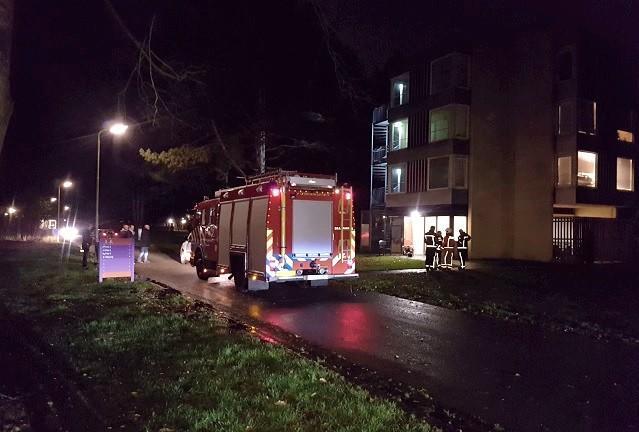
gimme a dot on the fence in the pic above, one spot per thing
(587, 240)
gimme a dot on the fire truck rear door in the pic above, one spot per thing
(312, 228)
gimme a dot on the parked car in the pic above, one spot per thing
(185, 250)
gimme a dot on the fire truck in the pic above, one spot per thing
(279, 227)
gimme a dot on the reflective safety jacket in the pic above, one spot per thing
(429, 240)
(439, 241)
(449, 242)
(462, 241)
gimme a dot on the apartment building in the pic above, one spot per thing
(525, 139)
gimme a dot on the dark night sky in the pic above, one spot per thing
(70, 60)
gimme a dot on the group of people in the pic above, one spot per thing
(141, 238)
(440, 250)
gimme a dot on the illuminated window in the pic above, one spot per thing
(625, 175)
(448, 72)
(459, 222)
(460, 172)
(448, 122)
(438, 172)
(587, 169)
(397, 178)
(399, 90)
(566, 118)
(441, 223)
(587, 117)
(564, 171)
(625, 136)
(399, 134)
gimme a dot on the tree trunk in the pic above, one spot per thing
(6, 32)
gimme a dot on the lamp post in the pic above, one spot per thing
(115, 129)
(66, 185)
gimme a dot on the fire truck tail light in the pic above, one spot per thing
(348, 195)
(275, 192)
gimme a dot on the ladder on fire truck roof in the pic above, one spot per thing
(279, 173)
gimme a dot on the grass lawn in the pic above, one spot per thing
(366, 263)
(151, 360)
(599, 301)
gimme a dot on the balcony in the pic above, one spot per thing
(380, 114)
(378, 196)
(378, 155)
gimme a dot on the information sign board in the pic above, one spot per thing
(116, 258)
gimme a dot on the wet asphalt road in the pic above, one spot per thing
(517, 376)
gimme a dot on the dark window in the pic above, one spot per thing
(438, 172)
(565, 66)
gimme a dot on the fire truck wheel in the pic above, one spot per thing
(200, 269)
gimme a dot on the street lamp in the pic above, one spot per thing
(12, 210)
(66, 185)
(67, 208)
(53, 199)
(116, 129)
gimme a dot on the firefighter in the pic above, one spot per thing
(431, 249)
(439, 242)
(449, 249)
(462, 248)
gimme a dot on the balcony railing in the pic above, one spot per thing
(380, 114)
(379, 155)
(378, 197)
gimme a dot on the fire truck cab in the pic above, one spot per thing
(279, 227)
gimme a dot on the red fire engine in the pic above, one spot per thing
(279, 227)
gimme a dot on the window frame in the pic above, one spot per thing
(454, 171)
(428, 171)
(578, 117)
(452, 110)
(570, 172)
(392, 129)
(566, 131)
(624, 131)
(400, 79)
(596, 170)
(389, 177)
(632, 175)
(451, 55)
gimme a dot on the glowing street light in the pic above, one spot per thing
(67, 208)
(182, 221)
(116, 129)
(66, 185)
(170, 221)
(53, 199)
(12, 211)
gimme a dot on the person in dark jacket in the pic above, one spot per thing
(462, 248)
(125, 232)
(145, 243)
(87, 240)
(431, 249)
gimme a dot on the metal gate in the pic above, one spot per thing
(588, 240)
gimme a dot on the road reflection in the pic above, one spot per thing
(350, 326)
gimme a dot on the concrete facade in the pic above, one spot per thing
(513, 200)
